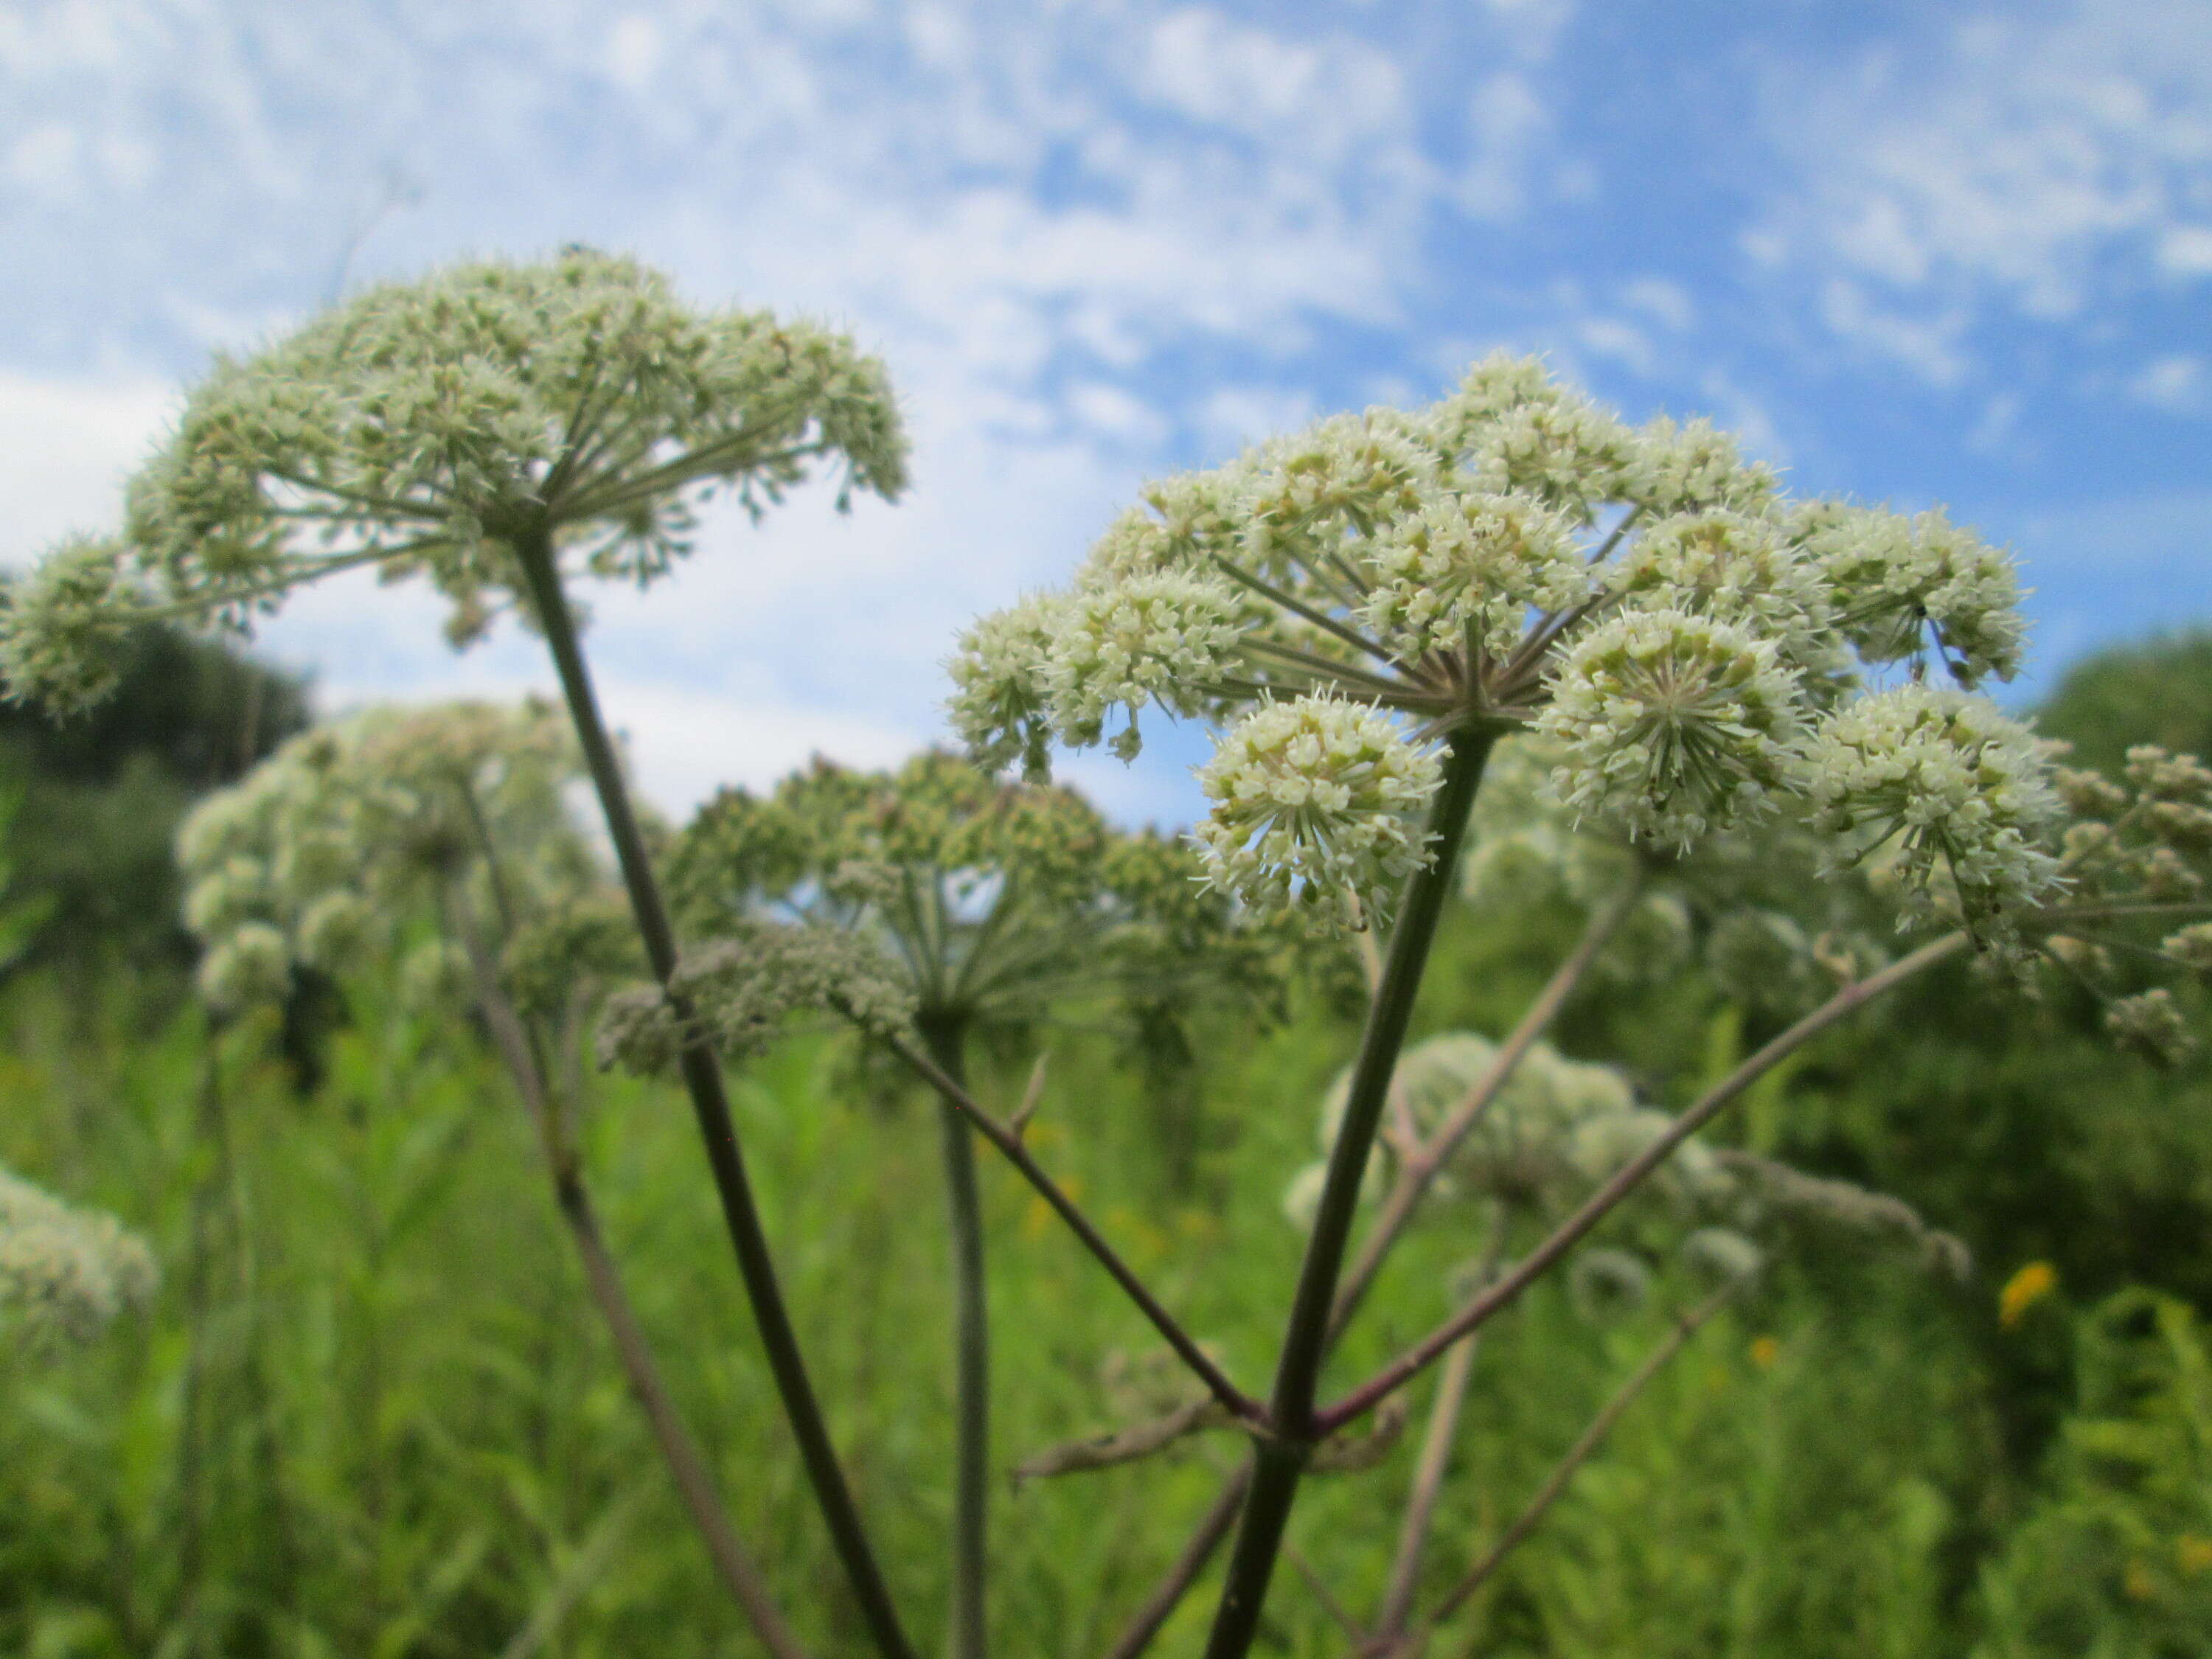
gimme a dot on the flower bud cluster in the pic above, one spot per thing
(64, 1272)
(987, 900)
(1166, 638)
(1471, 567)
(1316, 803)
(738, 993)
(1954, 781)
(332, 848)
(62, 633)
(1674, 724)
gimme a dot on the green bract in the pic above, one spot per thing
(423, 427)
(1511, 556)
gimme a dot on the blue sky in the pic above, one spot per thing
(1913, 252)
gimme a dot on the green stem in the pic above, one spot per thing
(946, 1037)
(1280, 1458)
(703, 1080)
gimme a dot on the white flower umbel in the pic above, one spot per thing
(1961, 786)
(1566, 452)
(1737, 568)
(1685, 469)
(1674, 724)
(1164, 638)
(1318, 810)
(573, 408)
(1471, 567)
(1499, 385)
(64, 625)
(64, 1272)
(1342, 475)
(1895, 580)
(998, 702)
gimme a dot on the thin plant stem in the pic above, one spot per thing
(1279, 1458)
(1428, 1486)
(1338, 1614)
(1144, 1624)
(703, 1079)
(1012, 1147)
(1418, 1172)
(1580, 1453)
(520, 1052)
(1626, 1179)
(947, 1041)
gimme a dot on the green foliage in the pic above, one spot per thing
(2157, 690)
(2115, 1560)
(102, 791)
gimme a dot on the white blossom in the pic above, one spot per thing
(1966, 790)
(1567, 453)
(1317, 809)
(1673, 724)
(1163, 638)
(65, 1272)
(1894, 580)
(999, 699)
(1739, 569)
(1693, 467)
(1470, 567)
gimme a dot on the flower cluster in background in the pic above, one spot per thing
(64, 1272)
(339, 845)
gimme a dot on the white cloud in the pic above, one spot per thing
(1507, 124)
(2187, 251)
(1040, 216)
(1929, 346)
(66, 446)
(2177, 384)
(2037, 161)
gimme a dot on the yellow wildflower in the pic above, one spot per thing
(2023, 1291)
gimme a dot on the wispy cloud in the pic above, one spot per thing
(2028, 162)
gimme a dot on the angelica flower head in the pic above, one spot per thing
(1471, 567)
(1318, 805)
(324, 853)
(1963, 787)
(62, 632)
(438, 426)
(987, 900)
(1164, 638)
(1897, 581)
(64, 1272)
(1512, 558)
(1674, 724)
